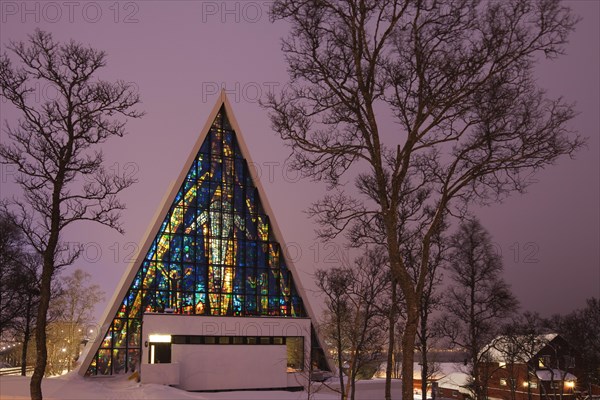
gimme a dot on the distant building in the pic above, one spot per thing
(537, 367)
(211, 302)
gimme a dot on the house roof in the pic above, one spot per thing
(555, 375)
(520, 348)
(456, 381)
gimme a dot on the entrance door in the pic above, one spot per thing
(160, 353)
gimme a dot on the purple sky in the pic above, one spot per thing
(180, 53)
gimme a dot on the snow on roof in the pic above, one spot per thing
(555, 375)
(456, 381)
(518, 348)
(440, 369)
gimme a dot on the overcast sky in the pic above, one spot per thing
(180, 53)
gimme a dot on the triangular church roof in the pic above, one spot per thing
(213, 248)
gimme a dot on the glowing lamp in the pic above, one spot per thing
(160, 338)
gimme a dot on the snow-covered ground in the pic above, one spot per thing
(74, 387)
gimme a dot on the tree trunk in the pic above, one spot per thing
(408, 346)
(351, 376)
(477, 372)
(358, 346)
(340, 360)
(424, 372)
(40, 328)
(391, 344)
(348, 382)
(70, 340)
(46, 283)
(24, 356)
(26, 336)
(424, 363)
(353, 386)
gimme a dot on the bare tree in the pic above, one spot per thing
(55, 147)
(73, 310)
(334, 283)
(369, 305)
(431, 300)
(19, 286)
(12, 256)
(356, 310)
(29, 287)
(458, 78)
(478, 301)
(395, 324)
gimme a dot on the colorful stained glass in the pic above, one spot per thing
(214, 254)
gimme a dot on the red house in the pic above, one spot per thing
(535, 367)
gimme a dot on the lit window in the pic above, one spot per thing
(295, 353)
(532, 385)
(503, 382)
(544, 362)
(570, 384)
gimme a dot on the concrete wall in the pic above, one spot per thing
(163, 374)
(225, 367)
(221, 367)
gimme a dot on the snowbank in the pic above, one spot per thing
(75, 387)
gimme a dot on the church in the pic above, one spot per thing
(211, 302)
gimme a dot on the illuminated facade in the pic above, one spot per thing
(214, 252)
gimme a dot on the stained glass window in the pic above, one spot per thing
(214, 254)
